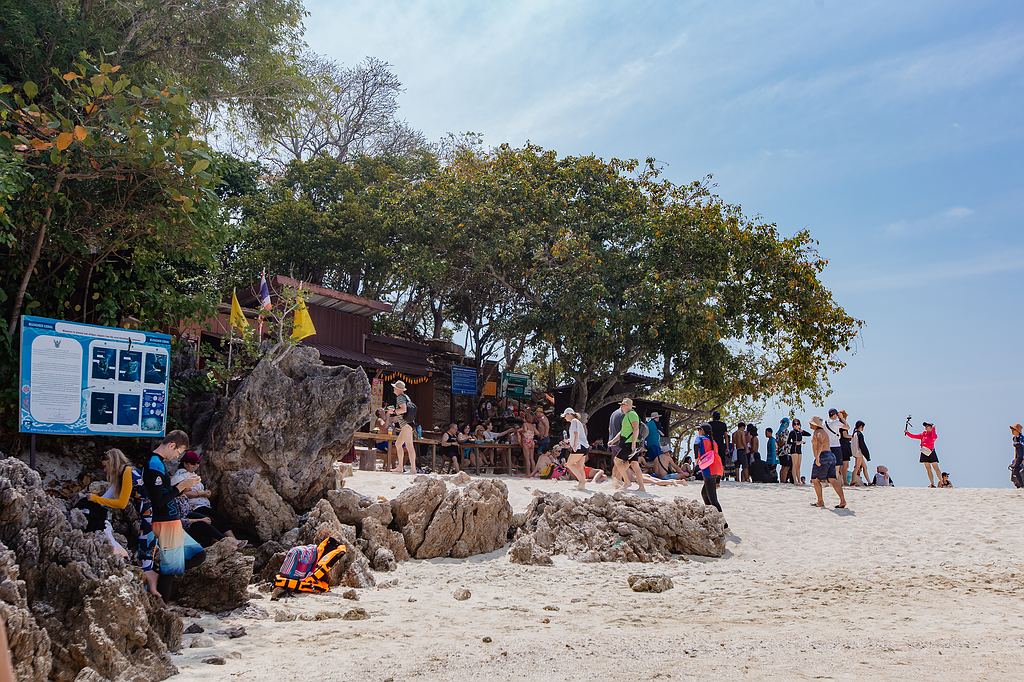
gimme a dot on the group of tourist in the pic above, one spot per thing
(173, 517)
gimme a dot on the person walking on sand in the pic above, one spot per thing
(710, 463)
(796, 449)
(578, 447)
(739, 439)
(782, 449)
(929, 458)
(628, 456)
(719, 434)
(1017, 465)
(404, 413)
(824, 469)
(846, 446)
(861, 454)
(833, 429)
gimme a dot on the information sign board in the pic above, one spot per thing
(464, 381)
(86, 380)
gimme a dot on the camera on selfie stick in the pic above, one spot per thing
(906, 427)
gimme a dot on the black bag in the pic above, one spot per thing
(95, 514)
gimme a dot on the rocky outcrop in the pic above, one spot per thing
(616, 528)
(220, 583)
(354, 569)
(72, 608)
(650, 583)
(270, 456)
(438, 522)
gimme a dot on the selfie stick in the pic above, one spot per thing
(906, 427)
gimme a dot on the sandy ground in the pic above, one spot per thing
(906, 582)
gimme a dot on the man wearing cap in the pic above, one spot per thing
(626, 459)
(404, 413)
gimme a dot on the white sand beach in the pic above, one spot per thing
(906, 582)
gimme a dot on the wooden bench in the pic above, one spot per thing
(391, 438)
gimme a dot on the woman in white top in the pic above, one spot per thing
(578, 447)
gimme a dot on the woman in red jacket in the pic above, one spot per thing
(929, 457)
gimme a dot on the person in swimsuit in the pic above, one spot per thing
(929, 458)
(528, 441)
(739, 439)
(450, 447)
(824, 469)
(406, 427)
(796, 449)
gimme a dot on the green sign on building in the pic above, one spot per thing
(516, 385)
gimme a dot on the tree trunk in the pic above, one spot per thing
(37, 249)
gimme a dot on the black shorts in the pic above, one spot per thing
(785, 460)
(627, 453)
(933, 458)
(742, 459)
(846, 449)
(543, 444)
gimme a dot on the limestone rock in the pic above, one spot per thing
(650, 583)
(379, 537)
(437, 522)
(57, 588)
(280, 434)
(220, 583)
(354, 569)
(358, 613)
(262, 559)
(619, 528)
(352, 508)
(462, 594)
(384, 560)
(461, 478)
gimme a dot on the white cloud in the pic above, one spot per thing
(911, 276)
(946, 219)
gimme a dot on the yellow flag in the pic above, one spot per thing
(238, 320)
(302, 325)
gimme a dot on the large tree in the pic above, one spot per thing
(617, 270)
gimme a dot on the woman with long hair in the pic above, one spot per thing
(578, 447)
(710, 464)
(796, 450)
(126, 487)
(929, 458)
(404, 413)
(861, 454)
(528, 441)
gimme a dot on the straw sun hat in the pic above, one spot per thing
(816, 423)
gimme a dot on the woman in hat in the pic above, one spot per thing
(824, 469)
(404, 413)
(1016, 475)
(929, 458)
(578, 447)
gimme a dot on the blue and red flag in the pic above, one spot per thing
(264, 292)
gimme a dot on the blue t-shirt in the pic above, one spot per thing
(773, 458)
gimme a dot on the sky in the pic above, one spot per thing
(893, 131)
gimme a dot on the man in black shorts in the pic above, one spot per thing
(739, 439)
(629, 439)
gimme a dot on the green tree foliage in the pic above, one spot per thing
(327, 222)
(617, 269)
(110, 211)
(235, 54)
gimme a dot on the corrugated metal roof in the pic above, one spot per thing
(345, 356)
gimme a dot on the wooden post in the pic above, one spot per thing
(32, 451)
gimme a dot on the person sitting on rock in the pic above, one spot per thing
(126, 486)
(199, 521)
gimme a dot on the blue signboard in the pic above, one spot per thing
(463, 380)
(86, 380)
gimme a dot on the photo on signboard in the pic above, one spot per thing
(129, 366)
(152, 410)
(104, 363)
(127, 410)
(156, 368)
(101, 408)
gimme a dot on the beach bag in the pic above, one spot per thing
(707, 458)
(324, 556)
(298, 562)
(927, 452)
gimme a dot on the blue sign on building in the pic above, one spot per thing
(464, 380)
(82, 379)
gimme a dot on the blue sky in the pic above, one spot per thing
(893, 131)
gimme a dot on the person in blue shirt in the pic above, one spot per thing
(772, 454)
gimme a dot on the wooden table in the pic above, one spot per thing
(391, 438)
(506, 447)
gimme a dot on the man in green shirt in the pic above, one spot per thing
(627, 459)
